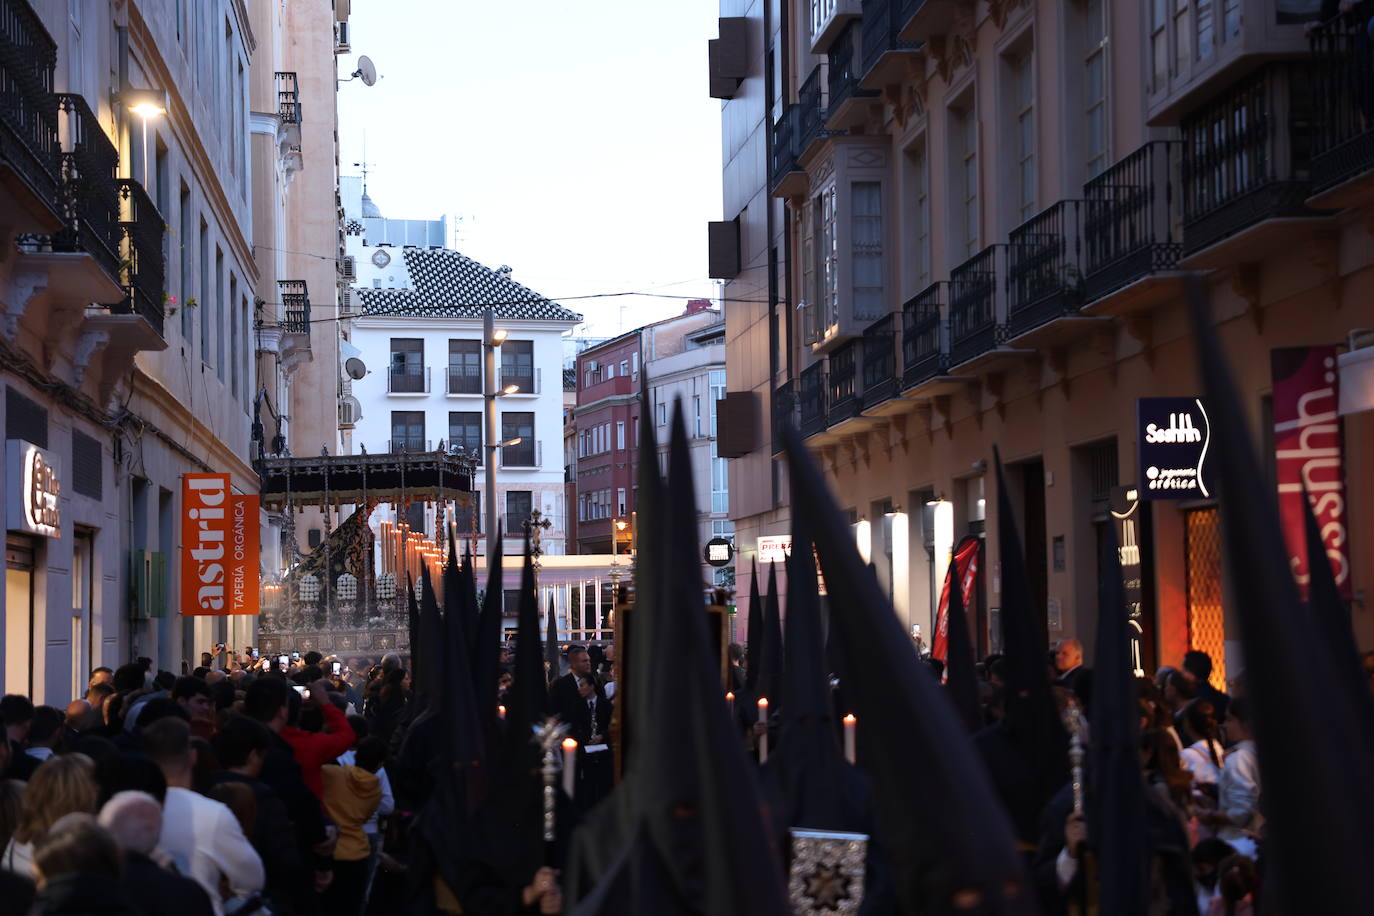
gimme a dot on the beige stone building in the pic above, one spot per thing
(139, 223)
(954, 225)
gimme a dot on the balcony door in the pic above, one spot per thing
(465, 432)
(407, 365)
(465, 367)
(519, 506)
(517, 365)
(518, 424)
(408, 431)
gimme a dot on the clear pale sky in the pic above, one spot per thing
(575, 142)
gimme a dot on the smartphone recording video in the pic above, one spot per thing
(338, 669)
(283, 662)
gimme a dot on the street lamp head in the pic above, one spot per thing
(516, 441)
(510, 389)
(146, 103)
(498, 337)
(621, 524)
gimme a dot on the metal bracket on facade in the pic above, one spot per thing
(1245, 283)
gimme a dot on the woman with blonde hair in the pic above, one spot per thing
(61, 785)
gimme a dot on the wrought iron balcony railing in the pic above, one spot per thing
(143, 271)
(882, 23)
(464, 380)
(973, 298)
(1246, 155)
(880, 361)
(295, 306)
(1044, 267)
(925, 336)
(843, 399)
(811, 399)
(812, 101)
(88, 195)
(288, 98)
(785, 150)
(846, 67)
(1131, 219)
(412, 444)
(1343, 89)
(408, 379)
(28, 108)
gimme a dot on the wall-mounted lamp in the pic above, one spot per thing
(497, 337)
(510, 389)
(146, 103)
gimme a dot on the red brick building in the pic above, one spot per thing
(606, 420)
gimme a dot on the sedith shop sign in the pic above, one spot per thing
(1175, 440)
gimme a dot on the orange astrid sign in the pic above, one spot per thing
(219, 547)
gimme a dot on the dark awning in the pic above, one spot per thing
(342, 479)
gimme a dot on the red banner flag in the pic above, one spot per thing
(1309, 453)
(219, 547)
(964, 566)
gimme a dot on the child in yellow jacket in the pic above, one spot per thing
(351, 796)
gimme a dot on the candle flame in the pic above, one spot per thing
(849, 719)
(501, 710)
(729, 695)
(569, 744)
(763, 702)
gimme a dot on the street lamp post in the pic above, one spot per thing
(491, 339)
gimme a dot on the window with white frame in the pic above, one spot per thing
(920, 167)
(866, 247)
(1202, 20)
(620, 434)
(1023, 97)
(720, 482)
(662, 414)
(810, 292)
(965, 135)
(717, 380)
(1230, 19)
(696, 416)
(1182, 34)
(1095, 87)
(620, 501)
(1159, 44)
(830, 252)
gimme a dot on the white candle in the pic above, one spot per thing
(850, 724)
(730, 703)
(569, 765)
(763, 738)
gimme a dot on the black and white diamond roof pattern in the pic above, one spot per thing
(448, 284)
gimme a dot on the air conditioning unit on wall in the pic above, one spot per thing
(341, 44)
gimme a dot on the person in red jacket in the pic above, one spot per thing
(313, 749)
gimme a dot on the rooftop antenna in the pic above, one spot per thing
(364, 164)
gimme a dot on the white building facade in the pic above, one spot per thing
(418, 331)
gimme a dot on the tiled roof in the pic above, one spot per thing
(353, 227)
(447, 284)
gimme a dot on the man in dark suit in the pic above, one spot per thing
(1068, 661)
(1197, 669)
(590, 719)
(563, 694)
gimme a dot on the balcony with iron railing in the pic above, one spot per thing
(843, 398)
(783, 164)
(288, 98)
(410, 444)
(880, 382)
(143, 271)
(847, 100)
(882, 43)
(1343, 89)
(407, 378)
(295, 306)
(531, 382)
(1045, 267)
(464, 379)
(812, 102)
(527, 453)
(1132, 218)
(30, 158)
(1246, 162)
(828, 18)
(811, 399)
(925, 336)
(975, 294)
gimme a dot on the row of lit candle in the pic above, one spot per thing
(408, 553)
(850, 728)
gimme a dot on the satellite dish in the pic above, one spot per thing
(366, 70)
(355, 368)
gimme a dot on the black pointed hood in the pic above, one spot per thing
(551, 653)
(1032, 715)
(1116, 816)
(754, 632)
(486, 649)
(1318, 800)
(529, 697)
(914, 746)
(771, 668)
